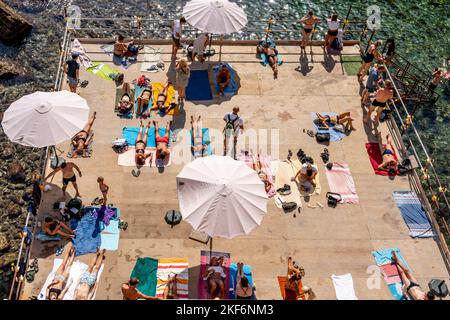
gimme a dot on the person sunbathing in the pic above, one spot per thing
(343, 119)
(387, 154)
(58, 287)
(215, 276)
(141, 143)
(162, 149)
(223, 79)
(306, 177)
(124, 105)
(161, 103)
(88, 280)
(411, 287)
(171, 290)
(244, 291)
(261, 174)
(294, 277)
(131, 292)
(144, 99)
(54, 227)
(80, 140)
(198, 147)
(271, 54)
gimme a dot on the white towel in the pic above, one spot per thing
(76, 270)
(82, 56)
(343, 285)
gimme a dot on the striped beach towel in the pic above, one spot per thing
(168, 267)
(249, 159)
(412, 212)
(341, 181)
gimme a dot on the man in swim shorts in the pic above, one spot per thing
(67, 169)
(380, 102)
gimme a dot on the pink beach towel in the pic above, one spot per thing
(265, 167)
(127, 158)
(204, 264)
(341, 181)
(373, 150)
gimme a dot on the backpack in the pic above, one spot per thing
(322, 137)
(333, 199)
(230, 123)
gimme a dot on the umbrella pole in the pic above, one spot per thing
(210, 42)
(210, 247)
(220, 50)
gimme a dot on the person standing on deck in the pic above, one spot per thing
(182, 74)
(308, 22)
(375, 77)
(103, 189)
(67, 169)
(177, 26)
(234, 125)
(379, 103)
(72, 70)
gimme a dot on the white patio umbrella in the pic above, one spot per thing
(221, 197)
(43, 119)
(215, 16)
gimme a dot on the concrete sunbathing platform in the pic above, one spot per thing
(324, 241)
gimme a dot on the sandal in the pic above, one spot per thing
(135, 173)
(310, 133)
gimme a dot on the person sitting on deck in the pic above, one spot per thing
(58, 287)
(162, 143)
(198, 148)
(124, 105)
(80, 140)
(144, 99)
(411, 287)
(87, 284)
(261, 174)
(140, 145)
(271, 54)
(161, 102)
(223, 79)
(343, 119)
(215, 276)
(306, 175)
(294, 277)
(121, 47)
(54, 227)
(387, 154)
(130, 291)
(243, 289)
(170, 291)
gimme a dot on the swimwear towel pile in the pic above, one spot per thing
(341, 181)
(413, 214)
(168, 267)
(249, 158)
(204, 264)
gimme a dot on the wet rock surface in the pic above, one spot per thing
(14, 27)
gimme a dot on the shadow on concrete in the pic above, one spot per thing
(304, 67)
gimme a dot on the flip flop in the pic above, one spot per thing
(135, 173)
(310, 133)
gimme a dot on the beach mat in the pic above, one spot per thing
(130, 134)
(413, 214)
(265, 161)
(206, 139)
(42, 236)
(232, 87)
(376, 159)
(126, 159)
(286, 294)
(145, 270)
(87, 238)
(102, 70)
(168, 267)
(171, 98)
(264, 61)
(247, 270)
(119, 94)
(343, 286)
(334, 134)
(205, 257)
(341, 181)
(198, 88)
(87, 152)
(283, 176)
(137, 92)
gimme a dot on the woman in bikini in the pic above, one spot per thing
(371, 54)
(88, 280)
(272, 54)
(198, 147)
(333, 30)
(243, 289)
(144, 99)
(140, 145)
(343, 119)
(308, 26)
(388, 163)
(261, 174)
(215, 276)
(162, 143)
(54, 227)
(161, 101)
(80, 140)
(58, 287)
(125, 105)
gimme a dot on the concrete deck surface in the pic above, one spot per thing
(324, 241)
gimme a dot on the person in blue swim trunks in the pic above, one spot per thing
(387, 153)
(88, 281)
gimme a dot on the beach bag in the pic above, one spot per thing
(141, 81)
(229, 126)
(337, 45)
(289, 206)
(322, 137)
(333, 199)
(120, 145)
(74, 209)
(133, 49)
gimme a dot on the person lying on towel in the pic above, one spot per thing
(198, 147)
(162, 143)
(87, 284)
(162, 103)
(130, 291)
(261, 174)
(244, 290)
(58, 287)
(80, 140)
(215, 276)
(343, 119)
(294, 277)
(144, 99)
(125, 105)
(306, 177)
(140, 145)
(389, 163)
(271, 55)
(223, 79)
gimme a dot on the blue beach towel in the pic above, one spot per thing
(131, 133)
(87, 238)
(264, 61)
(232, 87)
(137, 92)
(42, 236)
(334, 134)
(413, 214)
(233, 279)
(198, 88)
(205, 140)
(110, 241)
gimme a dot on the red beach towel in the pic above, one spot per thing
(376, 159)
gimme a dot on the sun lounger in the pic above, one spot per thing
(119, 94)
(126, 159)
(334, 134)
(232, 87)
(265, 160)
(76, 270)
(247, 270)
(376, 159)
(168, 267)
(205, 257)
(341, 181)
(343, 285)
(145, 270)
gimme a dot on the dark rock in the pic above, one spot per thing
(16, 172)
(9, 69)
(8, 151)
(7, 259)
(13, 210)
(4, 243)
(12, 25)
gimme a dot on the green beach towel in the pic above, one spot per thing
(102, 70)
(145, 270)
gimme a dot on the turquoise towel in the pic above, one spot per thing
(145, 270)
(264, 61)
(206, 140)
(233, 278)
(131, 133)
(42, 236)
(384, 256)
(110, 241)
(137, 92)
(232, 87)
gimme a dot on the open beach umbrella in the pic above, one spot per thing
(215, 16)
(43, 119)
(221, 197)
